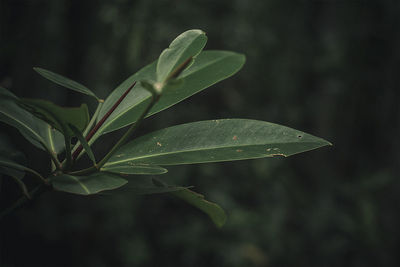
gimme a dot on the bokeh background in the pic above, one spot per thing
(327, 67)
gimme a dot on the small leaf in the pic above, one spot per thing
(127, 168)
(209, 68)
(65, 82)
(187, 45)
(33, 129)
(87, 185)
(215, 212)
(59, 117)
(84, 143)
(142, 185)
(215, 140)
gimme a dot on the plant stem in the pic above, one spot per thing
(68, 155)
(91, 123)
(101, 122)
(94, 117)
(38, 175)
(120, 142)
(54, 158)
(178, 70)
(128, 133)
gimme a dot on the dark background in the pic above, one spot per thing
(329, 68)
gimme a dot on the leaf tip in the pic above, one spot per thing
(221, 220)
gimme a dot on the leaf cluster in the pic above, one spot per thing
(182, 70)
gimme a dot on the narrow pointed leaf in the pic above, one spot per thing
(128, 168)
(209, 68)
(216, 140)
(65, 82)
(215, 212)
(59, 117)
(186, 45)
(87, 185)
(84, 143)
(33, 129)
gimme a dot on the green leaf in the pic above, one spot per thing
(144, 185)
(65, 82)
(16, 176)
(129, 168)
(84, 143)
(216, 140)
(186, 45)
(215, 212)
(87, 185)
(53, 138)
(5, 93)
(12, 172)
(59, 117)
(6, 162)
(209, 68)
(33, 129)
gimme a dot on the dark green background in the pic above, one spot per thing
(329, 68)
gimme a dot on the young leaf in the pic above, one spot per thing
(65, 82)
(128, 168)
(87, 185)
(209, 68)
(59, 117)
(216, 140)
(187, 45)
(215, 212)
(33, 129)
(84, 143)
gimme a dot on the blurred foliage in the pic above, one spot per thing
(328, 67)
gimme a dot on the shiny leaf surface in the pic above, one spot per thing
(127, 168)
(209, 68)
(87, 185)
(187, 45)
(216, 140)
